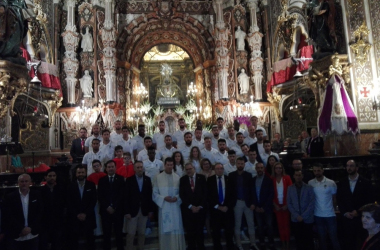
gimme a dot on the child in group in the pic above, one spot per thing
(97, 174)
(119, 157)
(127, 169)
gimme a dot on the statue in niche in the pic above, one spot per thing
(167, 87)
(86, 84)
(87, 41)
(240, 36)
(322, 27)
(243, 79)
(14, 18)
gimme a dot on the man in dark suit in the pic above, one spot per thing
(258, 146)
(353, 192)
(192, 191)
(240, 183)
(81, 200)
(53, 197)
(315, 145)
(263, 193)
(22, 214)
(77, 146)
(138, 205)
(111, 208)
(298, 166)
(220, 206)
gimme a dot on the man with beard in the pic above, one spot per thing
(315, 145)
(167, 150)
(178, 136)
(159, 137)
(198, 139)
(95, 154)
(208, 151)
(222, 131)
(353, 192)
(215, 136)
(251, 137)
(81, 200)
(239, 143)
(95, 135)
(254, 122)
(127, 143)
(186, 146)
(298, 166)
(143, 154)
(324, 213)
(199, 126)
(258, 146)
(78, 146)
(139, 138)
(222, 155)
(53, 198)
(107, 146)
(116, 135)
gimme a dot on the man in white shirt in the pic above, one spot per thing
(159, 137)
(325, 202)
(231, 140)
(186, 146)
(244, 149)
(239, 143)
(250, 165)
(199, 126)
(127, 143)
(152, 165)
(178, 136)
(143, 154)
(223, 133)
(22, 213)
(168, 149)
(215, 136)
(198, 141)
(116, 134)
(107, 146)
(221, 155)
(95, 134)
(251, 137)
(139, 138)
(267, 152)
(95, 154)
(208, 151)
(254, 121)
(231, 165)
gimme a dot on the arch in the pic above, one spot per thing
(149, 30)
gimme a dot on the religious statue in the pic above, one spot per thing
(14, 15)
(86, 84)
(87, 41)
(322, 27)
(167, 88)
(243, 79)
(240, 36)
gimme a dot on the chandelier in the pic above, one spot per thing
(141, 91)
(192, 90)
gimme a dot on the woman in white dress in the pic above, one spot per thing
(195, 158)
(178, 163)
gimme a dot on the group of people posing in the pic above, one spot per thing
(222, 181)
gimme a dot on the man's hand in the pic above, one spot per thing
(284, 208)
(128, 216)
(299, 218)
(224, 209)
(252, 207)
(259, 210)
(81, 217)
(110, 210)
(25, 231)
(170, 199)
(194, 209)
(277, 207)
(348, 215)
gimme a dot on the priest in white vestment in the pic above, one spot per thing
(166, 196)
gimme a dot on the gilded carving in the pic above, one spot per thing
(361, 47)
(275, 100)
(34, 138)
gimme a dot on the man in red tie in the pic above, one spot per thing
(192, 191)
(77, 150)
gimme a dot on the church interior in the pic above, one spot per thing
(294, 64)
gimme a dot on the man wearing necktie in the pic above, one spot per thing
(221, 210)
(192, 191)
(77, 146)
(111, 206)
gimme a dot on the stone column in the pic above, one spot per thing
(254, 39)
(222, 56)
(109, 53)
(70, 61)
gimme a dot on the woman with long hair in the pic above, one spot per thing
(206, 168)
(195, 158)
(281, 182)
(178, 163)
(371, 223)
(270, 165)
